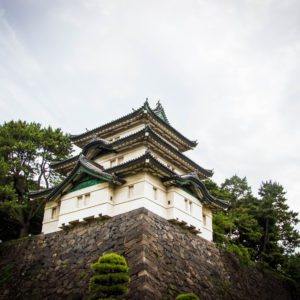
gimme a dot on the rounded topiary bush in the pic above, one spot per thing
(111, 278)
(189, 296)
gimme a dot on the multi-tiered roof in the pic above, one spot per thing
(161, 140)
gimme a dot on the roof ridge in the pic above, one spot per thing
(158, 113)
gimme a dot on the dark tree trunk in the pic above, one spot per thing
(24, 231)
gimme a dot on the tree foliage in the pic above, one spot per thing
(260, 229)
(237, 189)
(110, 279)
(25, 152)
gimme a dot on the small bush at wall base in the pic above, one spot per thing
(111, 277)
(189, 296)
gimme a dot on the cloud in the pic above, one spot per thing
(226, 72)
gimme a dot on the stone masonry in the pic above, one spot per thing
(164, 259)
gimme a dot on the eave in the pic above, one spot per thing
(153, 141)
(40, 194)
(193, 181)
(111, 127)
(95, 146)
(146, 136)
(143, 115)
(83, 166)
(144, 162)
(63, 167)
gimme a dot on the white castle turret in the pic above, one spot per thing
(132, 162)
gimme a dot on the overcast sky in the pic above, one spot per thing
(227, 73)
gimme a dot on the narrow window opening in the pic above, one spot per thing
(186, 204)
(87, 199)
(154, 193)
(169, 202)
(204, 219)
(54, 213)
(112, 163)
(80, 201)
(120, 160)
(130, 191)
(191, 207)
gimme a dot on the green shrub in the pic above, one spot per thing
(111, 278)
(189, 296)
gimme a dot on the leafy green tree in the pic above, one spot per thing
(25, 152)
(111, 278)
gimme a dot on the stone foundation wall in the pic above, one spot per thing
(164, 259)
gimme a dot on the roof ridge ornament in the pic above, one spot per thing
(146, 103)
(158, 105)
(160, 112)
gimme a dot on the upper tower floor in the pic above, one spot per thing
(135, 121)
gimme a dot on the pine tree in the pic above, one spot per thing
(111, 278)
(264, 227)
(279, 236)
(237, 188)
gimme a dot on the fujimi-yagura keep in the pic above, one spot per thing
(135, 161)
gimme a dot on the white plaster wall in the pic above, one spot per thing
(49, 224)
(168, 203)
(105, 160)
(207, 228)
(185, 207)
(97, 203)
(143, 195)
(122, 201)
